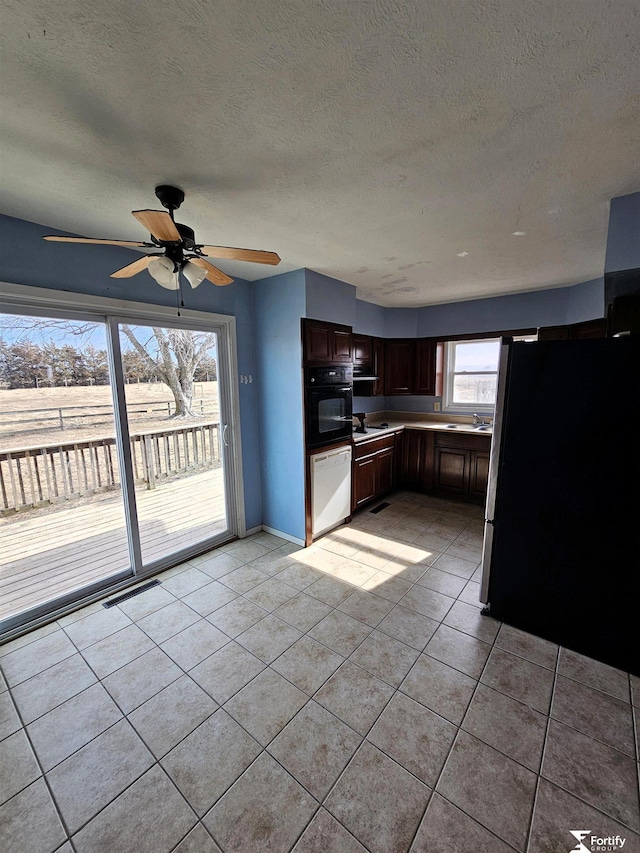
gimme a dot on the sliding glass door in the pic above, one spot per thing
(62, 520)
(114, 456)
(176, 437)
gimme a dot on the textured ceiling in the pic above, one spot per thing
(393, 145)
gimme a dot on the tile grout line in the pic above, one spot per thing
(43, 776)
(542, 755)
(334, 608)
(450, 751)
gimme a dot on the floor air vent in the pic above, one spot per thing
(126, 595)
(380, 507)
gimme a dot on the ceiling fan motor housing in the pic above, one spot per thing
(170, 197)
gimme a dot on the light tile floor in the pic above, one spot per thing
(345, 697)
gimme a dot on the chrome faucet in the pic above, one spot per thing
(479, 421)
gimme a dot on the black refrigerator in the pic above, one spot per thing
(561, 554)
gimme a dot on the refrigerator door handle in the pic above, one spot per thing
(487, 548)
(494, 464)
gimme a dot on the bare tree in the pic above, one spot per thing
(173, 356)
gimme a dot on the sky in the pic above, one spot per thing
(477, 356)
(41, 330)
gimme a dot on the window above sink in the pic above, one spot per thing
(471, 371)
(471, 374)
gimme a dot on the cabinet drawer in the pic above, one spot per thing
(463, 441)
(366, 448)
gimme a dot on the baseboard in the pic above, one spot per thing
(257, 529)
(282, 535)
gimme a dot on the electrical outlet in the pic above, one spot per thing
(436, 407)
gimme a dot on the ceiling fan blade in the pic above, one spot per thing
(256, 256)
(158, 223)
(134, 268)
(213, 273)
(134, 244)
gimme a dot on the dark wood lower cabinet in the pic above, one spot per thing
(413, 457)
(373, 471)
(364, 481)
(430, 461)
(444, 464)
(452, 470)
(385, 479)
(461, 465)
(479, 473)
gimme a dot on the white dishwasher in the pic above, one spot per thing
(330, 488)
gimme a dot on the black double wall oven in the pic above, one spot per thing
(328, 404)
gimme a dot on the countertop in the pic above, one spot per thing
(442, 425)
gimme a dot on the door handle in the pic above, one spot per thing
(224, 435)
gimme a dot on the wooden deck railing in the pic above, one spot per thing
(39, 476)
(91, 415)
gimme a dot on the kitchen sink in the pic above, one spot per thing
(477, 428)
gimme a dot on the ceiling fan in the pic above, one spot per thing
(180, 252)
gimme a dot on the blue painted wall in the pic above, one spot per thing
(329, 299)
(402, 322)
(369, 319)
(585, 301)
(623, 239)
(519, 311)
(27, 259)
(279, 304)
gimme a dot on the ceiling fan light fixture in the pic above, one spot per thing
(194, 274)
(164, 271)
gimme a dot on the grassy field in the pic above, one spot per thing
(19, 426)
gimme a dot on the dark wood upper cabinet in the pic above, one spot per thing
(403, 366)
(341, 344)
(362, 351)
(326, 343)
(410, 366)
(425, 367)
(317, 342)
(399, 367)
(574, 332)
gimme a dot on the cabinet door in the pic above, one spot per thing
(362, 351)
(364, 481)
(317, 343)
(341, 345)
(479, 473)
(553, 333)
(589, 329)
(425, 367)
(385, 471)
(412, 458)
(452, 470)
(399, 355)
(378, 363)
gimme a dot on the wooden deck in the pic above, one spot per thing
(52, 553)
